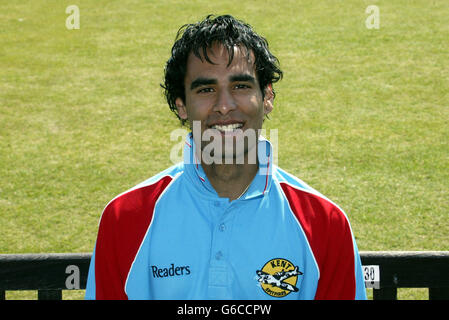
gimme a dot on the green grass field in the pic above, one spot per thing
(362, 114)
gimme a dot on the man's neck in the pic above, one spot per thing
(230, 180)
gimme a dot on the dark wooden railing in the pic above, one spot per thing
(49, 274)
(410, 269)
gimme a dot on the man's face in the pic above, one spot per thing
(226, 100)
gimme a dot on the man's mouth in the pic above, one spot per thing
(228, 128)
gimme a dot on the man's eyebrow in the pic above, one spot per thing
(202, 82)
(242, 77)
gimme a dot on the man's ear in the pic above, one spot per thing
(182, 111)
(268, 99)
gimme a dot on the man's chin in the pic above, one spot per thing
(229, 154)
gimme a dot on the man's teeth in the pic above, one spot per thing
(228, 128)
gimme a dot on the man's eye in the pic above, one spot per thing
(205, 90)
(242, 86)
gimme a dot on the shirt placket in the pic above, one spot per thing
(220, 277)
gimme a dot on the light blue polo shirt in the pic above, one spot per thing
(172, 237)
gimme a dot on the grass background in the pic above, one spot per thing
(362, 113)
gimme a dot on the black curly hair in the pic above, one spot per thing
(200, 36)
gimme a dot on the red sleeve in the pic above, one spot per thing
(330, 237)
(122, 228)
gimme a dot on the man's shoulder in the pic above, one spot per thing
(170, 172)
(283, 176)
(139, 198)
(306, 201)
(323, 222)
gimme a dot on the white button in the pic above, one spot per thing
(219, 255)
(222, 227)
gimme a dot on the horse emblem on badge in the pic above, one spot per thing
(278, 277)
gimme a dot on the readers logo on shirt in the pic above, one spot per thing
(170, 271)
(278, 277)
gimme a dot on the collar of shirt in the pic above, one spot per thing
(258, 187)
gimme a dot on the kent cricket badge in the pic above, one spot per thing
(278, 277)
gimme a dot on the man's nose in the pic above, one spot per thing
(225, 102)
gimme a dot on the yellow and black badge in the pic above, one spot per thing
(278, 277)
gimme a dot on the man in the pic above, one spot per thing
(226, 223)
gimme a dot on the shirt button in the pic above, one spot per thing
(217, 203)
(222, 227)
(219, 255)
